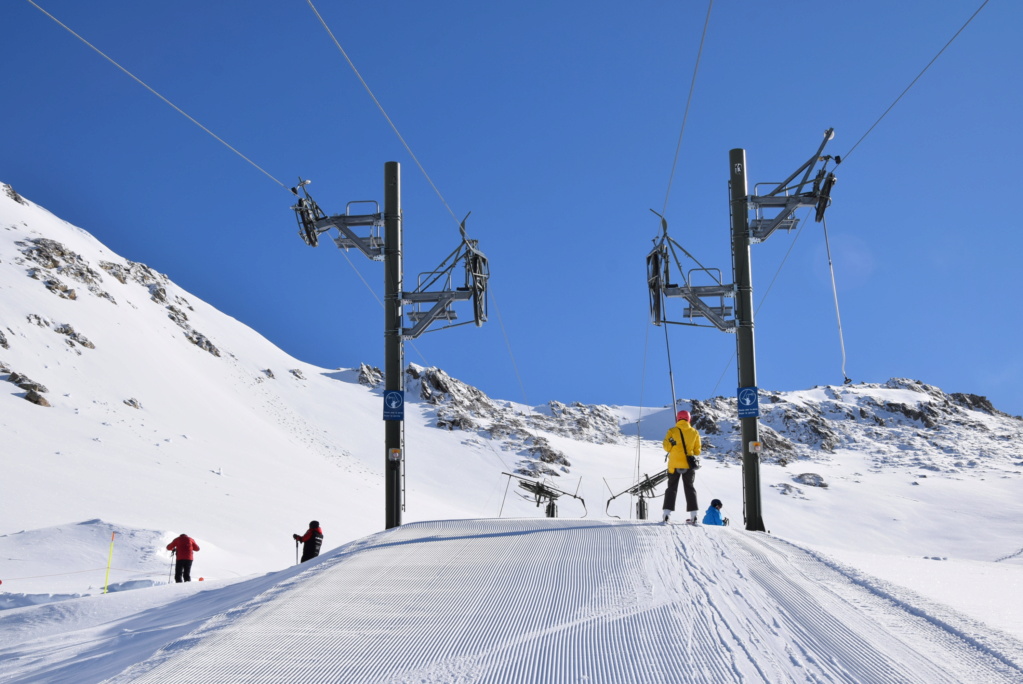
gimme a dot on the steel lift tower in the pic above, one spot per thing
(312, 222)
(772, 210)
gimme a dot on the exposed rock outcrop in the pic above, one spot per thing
(37, 398)
(56, 261)
(27, 384)
(370, 375)
(462, 407)
(811, 480)
(9, 191)
(73, 336)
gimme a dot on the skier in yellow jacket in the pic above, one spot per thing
(682, 443)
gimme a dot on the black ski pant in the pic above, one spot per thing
(183, 570)
(688, 477)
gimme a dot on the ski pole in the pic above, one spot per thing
(170, 575)
(296, 553)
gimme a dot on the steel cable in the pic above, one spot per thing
(913, 82)
(154, 92)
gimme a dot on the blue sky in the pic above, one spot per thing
(555, 124)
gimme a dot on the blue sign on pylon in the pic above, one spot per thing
(394, 405)
(749, 402)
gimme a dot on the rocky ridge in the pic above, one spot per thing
(526, 433)
(51, 263)
(901, 422)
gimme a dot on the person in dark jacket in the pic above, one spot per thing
(184, 548)
(311, 541)
(682, 443)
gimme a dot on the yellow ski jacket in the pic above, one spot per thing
(682, 434)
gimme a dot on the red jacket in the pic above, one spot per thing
(183, 546)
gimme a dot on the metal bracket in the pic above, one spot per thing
(312, 222)
(819, 196)
(372, 245)
(657, 281)
(441, 309)
(477, 273)
(761, 228)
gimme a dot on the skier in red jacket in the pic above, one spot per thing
(184, 547)
(311, 541)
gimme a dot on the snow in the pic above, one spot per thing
(904, 568)
(516, 600)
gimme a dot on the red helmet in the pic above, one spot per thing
(682, 415)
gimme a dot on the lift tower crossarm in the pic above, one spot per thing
(697, 307)
(808, 167)
(789, 198)
(312, 222)
(372, 245)
(477, 273)
(440, 309)
(658, 282)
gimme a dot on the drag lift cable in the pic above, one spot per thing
(834, 291)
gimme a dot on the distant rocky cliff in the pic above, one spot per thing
(898, 423)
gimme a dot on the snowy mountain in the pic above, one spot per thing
(133, 411)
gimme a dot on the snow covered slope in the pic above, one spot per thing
(510, 601)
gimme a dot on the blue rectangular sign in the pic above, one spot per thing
(394, 405)
(749, 402)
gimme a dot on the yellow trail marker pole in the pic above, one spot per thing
(110, 558)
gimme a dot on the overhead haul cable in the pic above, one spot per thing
(147, 87)
(689, 101)
(411, 154)
(381, 108)
(204, 128)
(843, 158)
(667, 194)
(913, 82)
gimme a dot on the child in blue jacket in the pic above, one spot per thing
(713, 515)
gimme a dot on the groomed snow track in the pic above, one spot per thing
(523, 601)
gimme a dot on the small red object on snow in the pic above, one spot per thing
(201, 579)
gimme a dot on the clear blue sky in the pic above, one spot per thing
(556, 124)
